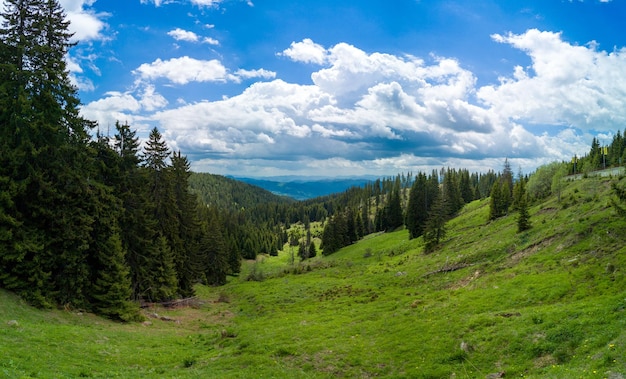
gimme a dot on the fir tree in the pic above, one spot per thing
(435, 229)
(186, 256)
(48, 168)
(213, 252)
(418, 206)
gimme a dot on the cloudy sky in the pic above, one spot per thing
(339, 88)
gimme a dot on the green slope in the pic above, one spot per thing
(548, 303)
(230, 194)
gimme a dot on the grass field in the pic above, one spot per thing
(547, 303)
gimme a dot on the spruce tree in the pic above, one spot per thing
(523, 217)
(418, 206)
(48, 166)
(213, 251)
(185, 242)
(435, 229)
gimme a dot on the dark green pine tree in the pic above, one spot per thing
(111, 286)
(393, 217)
(494, 201)
(500, 199)
(312, 249)
(435, 229)
(49, 158)
(451, 192)
(465, 186)
(213, 250)
(334, 236)
(186, 251)
(158, 178)
(163, 281)
(418, 206)
(139, 229)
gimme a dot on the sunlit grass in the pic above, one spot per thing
(547, 303)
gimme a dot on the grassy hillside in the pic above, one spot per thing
(548, 303)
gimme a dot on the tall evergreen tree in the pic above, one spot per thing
(213, 251)
(49, 159)
(393, 217)
(165, 212)
(451, 192)
(418, 207)
(186, 256)
(435, 229)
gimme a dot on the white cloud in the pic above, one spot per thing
(84, 22)
(130, 106)
(383, 113)
(183, 35)
(565, 85)
(206, 3)
(248, 74)
(210, 41)
(184, 70)
(306, 51)
(360, 106)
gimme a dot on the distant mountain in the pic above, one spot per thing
(303, 188)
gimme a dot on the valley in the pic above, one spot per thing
(491, 302)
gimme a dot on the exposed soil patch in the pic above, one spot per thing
(530, 250)
(465, 281)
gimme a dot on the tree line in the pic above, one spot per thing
(421, 202)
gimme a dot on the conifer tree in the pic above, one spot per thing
(48, 160)
(418, 206)
(186, 255)
(393, 217)
(213, 251)
(435, 229)
(451, 192)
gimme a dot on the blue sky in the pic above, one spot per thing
(341, 88)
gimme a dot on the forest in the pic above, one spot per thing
(101, 223)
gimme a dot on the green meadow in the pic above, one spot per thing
(488, 303)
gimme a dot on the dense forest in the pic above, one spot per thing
(86, 221)
(102, 223)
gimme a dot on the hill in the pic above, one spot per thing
(230, 194)
(304, 189)
(490, 302)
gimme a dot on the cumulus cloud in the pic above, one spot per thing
(130, 106)
(306, 51)
(565, 84)
(381, 113)
(86, 24)
(360, 107)
(184, 35)
(184, 70)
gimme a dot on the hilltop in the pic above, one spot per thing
(491, 302)
(306, 188)
(230, 194)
